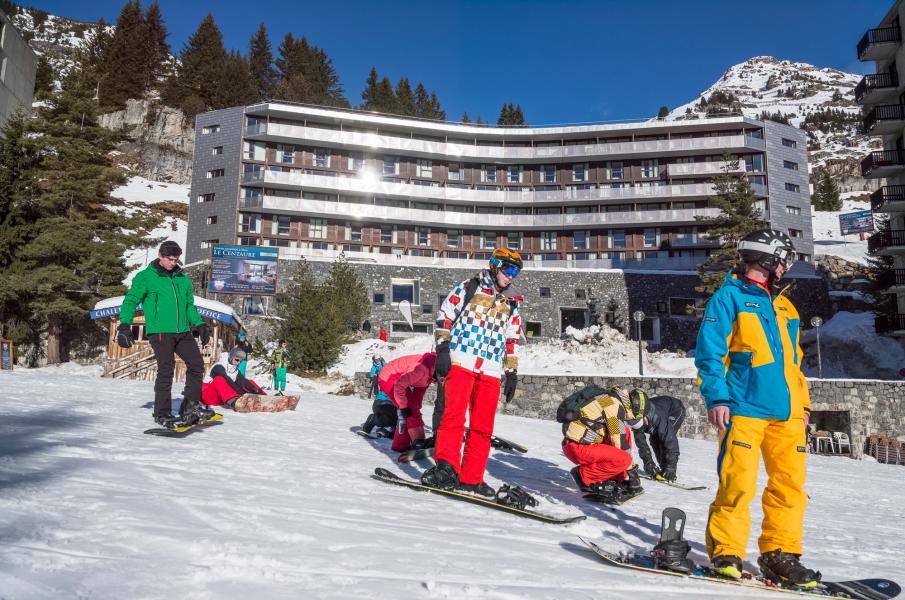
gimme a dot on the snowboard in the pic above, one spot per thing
(371, 435)
(185, 430)
(676, 484)
(258, 403)
(389, 477)
(599, 499)
(501, 444)
(861, 589)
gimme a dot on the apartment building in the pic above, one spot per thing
(403, 192)
(18, 65)
(883, 98)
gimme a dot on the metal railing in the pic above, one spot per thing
(887, 194)
(881, 158)
(880, 35)
(889, 323)
(704, 168)
(883, 113)
(875, 81)
(893, 277)
(881, 240)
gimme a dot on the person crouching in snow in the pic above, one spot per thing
(597, 437)
(227, 383)
(405, 380)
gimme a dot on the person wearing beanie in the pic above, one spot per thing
(227, 383)
(167, 299)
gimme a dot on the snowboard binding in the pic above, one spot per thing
(516, 497)
(671, 552)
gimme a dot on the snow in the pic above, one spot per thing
(283, 506)
(850, 347)
(828, 240)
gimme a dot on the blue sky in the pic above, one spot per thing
(565, 62)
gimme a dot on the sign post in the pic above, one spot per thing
(6, 355)
(816, 322)
(638, 316)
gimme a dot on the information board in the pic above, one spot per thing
(243, 270)
(856, 222)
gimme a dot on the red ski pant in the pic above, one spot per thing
(217, 392)
(479, 394)
(598, 462)
(414, 425)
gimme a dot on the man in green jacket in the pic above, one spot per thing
(168, 302)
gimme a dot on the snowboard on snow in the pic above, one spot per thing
(185, 430)
(495, 442)
(675, 484)
(371, 435)
(610, 502)
(506, 445)
(389, 477)
(258, 403)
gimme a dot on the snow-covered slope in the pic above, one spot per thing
(58, 38)
(851, 348)
(828, 240)
(282, 506)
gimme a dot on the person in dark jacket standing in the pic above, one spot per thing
(245, 346)
(168, 301)
(661, 424)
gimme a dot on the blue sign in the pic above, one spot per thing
(244, 270)
(204, 312)
(856, 222)
(6, 355)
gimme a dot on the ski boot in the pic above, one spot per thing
(606, 492)
(442, 475)
(672, 551)
(419, 444)
(786, 570)
(167, 421)
(576, 475)
(729, 566)
(385, 432)
(478, 489)
(515, 497)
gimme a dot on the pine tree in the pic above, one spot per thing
(663, 112)
(405, 98)
(478, 121)
(343, 282)
(196, 87)
(237, 85)
(738, 217)
(465, 118)
(369, 95)
(505, 114)
(158, 50)
(125, 75)
(511, 115)
(881, 274)
(435, 111)
(518, 116)
(44, 78)
(422, 102)
(260, 61)
(826, 193)
(321, 83)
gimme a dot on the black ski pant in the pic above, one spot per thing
(383, 414)
(167, 346)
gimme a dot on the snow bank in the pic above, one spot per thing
(851, 348)
(828, 240)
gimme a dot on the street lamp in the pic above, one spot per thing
(638, 316)
(816, 322)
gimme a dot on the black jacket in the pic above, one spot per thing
(664, 419)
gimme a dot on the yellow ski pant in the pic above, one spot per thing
(784, 500)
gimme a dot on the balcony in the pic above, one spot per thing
(892, 280)
(690, 240)
(392, 144)
(890, 324)
(888, 199)
(704, 168)
(887, 243)
(885, 119)
(879, 43)
(882, 163)
(876, 87)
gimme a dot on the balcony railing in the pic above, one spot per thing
(888, 239)
(888, 194)
(676, 240)
(889, 323)
(867, 47)
(452, 150)
(891, 115)
(875, 82)
(893, 277)
(881, 159)
(704, 168)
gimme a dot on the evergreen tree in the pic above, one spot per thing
(44, 78)
(505, 115)
(422, 102)
(196, 87)
(237, 86)
(343, 282)
(663, 112)
(738, 217)
(321, 83)
(518, 116)
(126, 70)
(369, 95)
(478, 121)
(435, 111)
(158, 50)
(405, 98)
(826, 193)
(260, 61)
(511, 115)
(465, 118)
(881, 273)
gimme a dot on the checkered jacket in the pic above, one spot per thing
(483, 336)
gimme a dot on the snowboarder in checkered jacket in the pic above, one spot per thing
(477, 333)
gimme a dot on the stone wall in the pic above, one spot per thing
(872, 406)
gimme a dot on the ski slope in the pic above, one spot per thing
(282, 506)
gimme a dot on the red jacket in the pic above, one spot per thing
(398, 375)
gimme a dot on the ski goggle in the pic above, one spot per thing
(786, 256)
(508, 269)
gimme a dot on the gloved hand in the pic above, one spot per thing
(444, 362)
(124, 335)
(669, 474)
(401, 414)
(650, 468)
(510, 385)
(203, 333)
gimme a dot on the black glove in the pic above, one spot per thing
(650, 468)
(203, 333)
(510, 385)
(444, 362)
(669, 474)
(124, 335)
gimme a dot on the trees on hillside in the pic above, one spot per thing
(379, 96)
(826, 193)
(305, 73)
(511, 115)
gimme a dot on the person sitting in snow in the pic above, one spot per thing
(597, 437)
(405, 380)
(661, 424)
(227, 383)
(383, 411)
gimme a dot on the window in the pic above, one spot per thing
(280, 225)
(356, 161)
(248, 241)
(488, 173)
(793, 210)
(650, 168)
(209, 243)
(354, 248)
(548, 173)
(793, 187)
(401, 329)
(321, 158)
(424, 168)
(212, 220)
(454, 238)
(614, 170)
(390, 165)
(254, 151)
(379, 298)
(427, 309)
(317, 228)
(286, 154)
(544, 292)
(683, 307)
(320, 246)
(788, 164)
(796, 233)
(532, 329)
(514, 174)
(387, 234)
(423, 236)
(456, 172)
(581, 240)
(280, 243)
(404, 289)
(789, 143)
(488, 239)
(514, 240)
(217, 150)
(255, 169)
(548, 240)
(756, 133)
(755, 162)
(214, 173)
(804, 257)
(251, 198)
(206, 197)
(250, 224)
(580, 172)
(353, 232)
(210, 129)
(617, 238)
(651, 238)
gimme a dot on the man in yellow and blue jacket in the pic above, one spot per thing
(749, 369)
